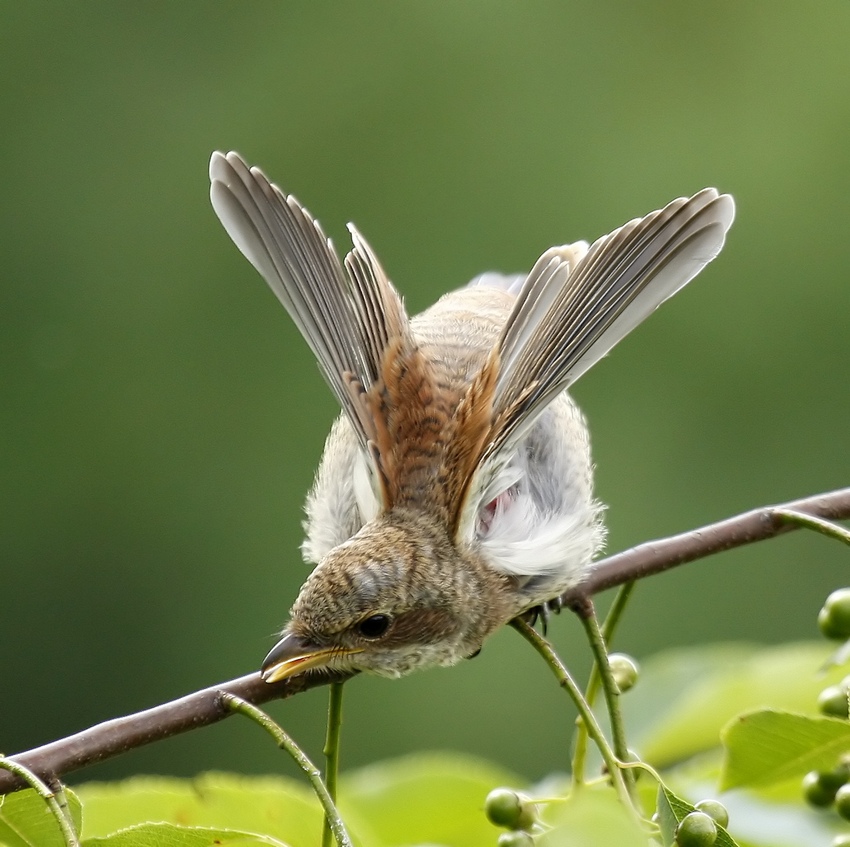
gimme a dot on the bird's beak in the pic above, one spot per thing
(294, 654)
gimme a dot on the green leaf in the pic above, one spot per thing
(668, 820)
(590, 818)
(26, 820)
(671, 810)
(169, 835)
(273, 806)
(770, 746)
(686, 696)
(425, 798)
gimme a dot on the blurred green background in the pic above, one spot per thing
(161, 418)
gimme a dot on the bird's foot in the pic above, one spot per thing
(543, 613)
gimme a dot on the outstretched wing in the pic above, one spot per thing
(352, 319)
(575, 306)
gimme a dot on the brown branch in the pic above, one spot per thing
(204, 707)
(657, 556)
(110, 738)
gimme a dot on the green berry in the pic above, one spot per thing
(842, 801)
(838, 775)
(696, 829)
(834, 617)
(510, 809)
(832, 701)
(715, 810)
(819, 789)
(517, 838)
(624, 670)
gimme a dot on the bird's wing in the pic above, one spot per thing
(575, 305)
(353, 319)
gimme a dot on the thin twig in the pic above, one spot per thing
(204, 707)
(610, 690)
(331, 750)
(562, 674)
(827, 528)
(285, 742)
(60, 812)
(608, 629)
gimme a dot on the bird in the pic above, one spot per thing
(455, 490)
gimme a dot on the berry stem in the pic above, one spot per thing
(608, 627)
(610, 690)
(559, 669)
(285, 742)
(58, 809)
(331, 751)
(828, 528)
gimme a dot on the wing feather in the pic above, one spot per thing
(569, 315)
(349, 319)
(575, 305)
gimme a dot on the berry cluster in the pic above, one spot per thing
(699, 828)
(514, 811)
(823, 789)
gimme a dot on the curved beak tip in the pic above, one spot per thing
(294, 654)
(291, 655)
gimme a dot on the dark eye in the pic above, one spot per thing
(374, 626)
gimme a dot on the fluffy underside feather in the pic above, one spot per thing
(535, 525)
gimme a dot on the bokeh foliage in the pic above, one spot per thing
(161, 418)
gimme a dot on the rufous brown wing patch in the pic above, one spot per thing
(471, 432)
(412, 422)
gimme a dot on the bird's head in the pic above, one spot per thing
(390, 600)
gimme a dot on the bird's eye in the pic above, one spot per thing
(374, 626)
